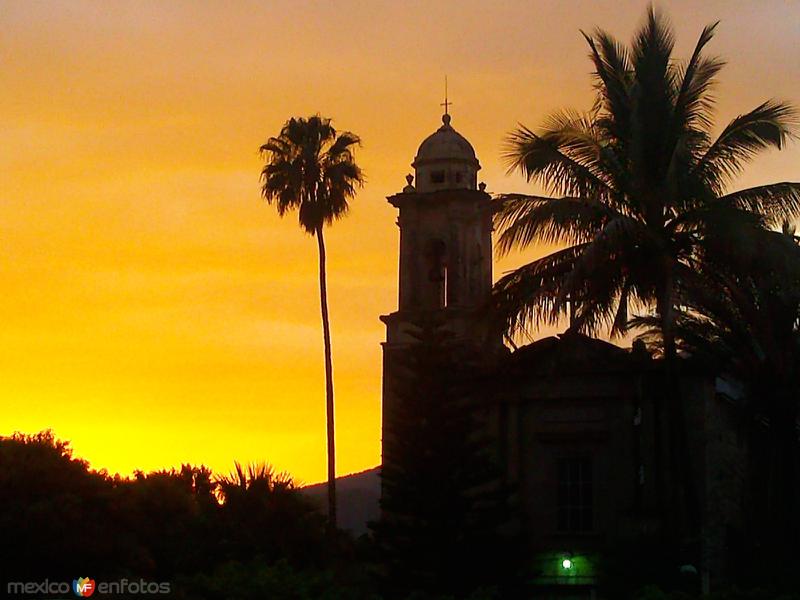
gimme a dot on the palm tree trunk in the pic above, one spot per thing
(326, 334)
(674, 422)
(672, 389)
(683, 487)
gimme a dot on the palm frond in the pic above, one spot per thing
(652, 48)
(768, 125)
(580, 137)
(595, 313)
(613, 72)
(775, 202)
(342, 144)
(612, 274)
(530, 296)
(524, 220)
(694, 104)
(619, 326)
(541, 158)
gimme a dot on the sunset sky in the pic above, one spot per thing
(153, 309)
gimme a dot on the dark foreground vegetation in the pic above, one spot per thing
(247, 535)
(251, 534)
(254, 535)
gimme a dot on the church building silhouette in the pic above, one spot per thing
(574, 420)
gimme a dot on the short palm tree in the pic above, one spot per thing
(263, 513)
(310, 168)
(639, 189)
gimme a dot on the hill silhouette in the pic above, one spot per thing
(357, 497)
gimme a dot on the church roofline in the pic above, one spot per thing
(577, 354)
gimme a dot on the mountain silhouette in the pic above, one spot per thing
(357, 497)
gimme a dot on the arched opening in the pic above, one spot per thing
(436, 259)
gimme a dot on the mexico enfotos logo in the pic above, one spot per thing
(83, 587)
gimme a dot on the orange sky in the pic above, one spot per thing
(154, 310)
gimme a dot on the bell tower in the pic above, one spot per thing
(445, 227)
(445, 241)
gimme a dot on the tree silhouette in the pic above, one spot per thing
(167, 526)
(745, 322)
(443, 504)
(169, 519)
(54, 509)
(264, 515)
(640, 197)
(310, 167)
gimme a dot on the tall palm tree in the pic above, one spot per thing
(639, 189)
(310, 167)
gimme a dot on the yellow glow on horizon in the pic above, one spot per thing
(154, 310)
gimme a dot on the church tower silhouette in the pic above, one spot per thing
(445, 240)
(445, 270)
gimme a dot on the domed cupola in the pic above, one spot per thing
(445, 161)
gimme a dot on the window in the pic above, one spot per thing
(437, 176)
(574, 494)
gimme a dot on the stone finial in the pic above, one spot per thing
(482, 186)
(409, 189)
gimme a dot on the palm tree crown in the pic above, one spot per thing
(310, 167)
(639, 187)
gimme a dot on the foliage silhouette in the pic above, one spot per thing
(264, 516)
(745, 323)
(443, 503)
(311, 168)
(54, 509)
(66, 519)
(643, 184)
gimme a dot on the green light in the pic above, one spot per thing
(566, 563)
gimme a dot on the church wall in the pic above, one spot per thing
(574, 419)
(610, 420)
(725, 462)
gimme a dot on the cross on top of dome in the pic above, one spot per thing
(445, 159)
(446, 104)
